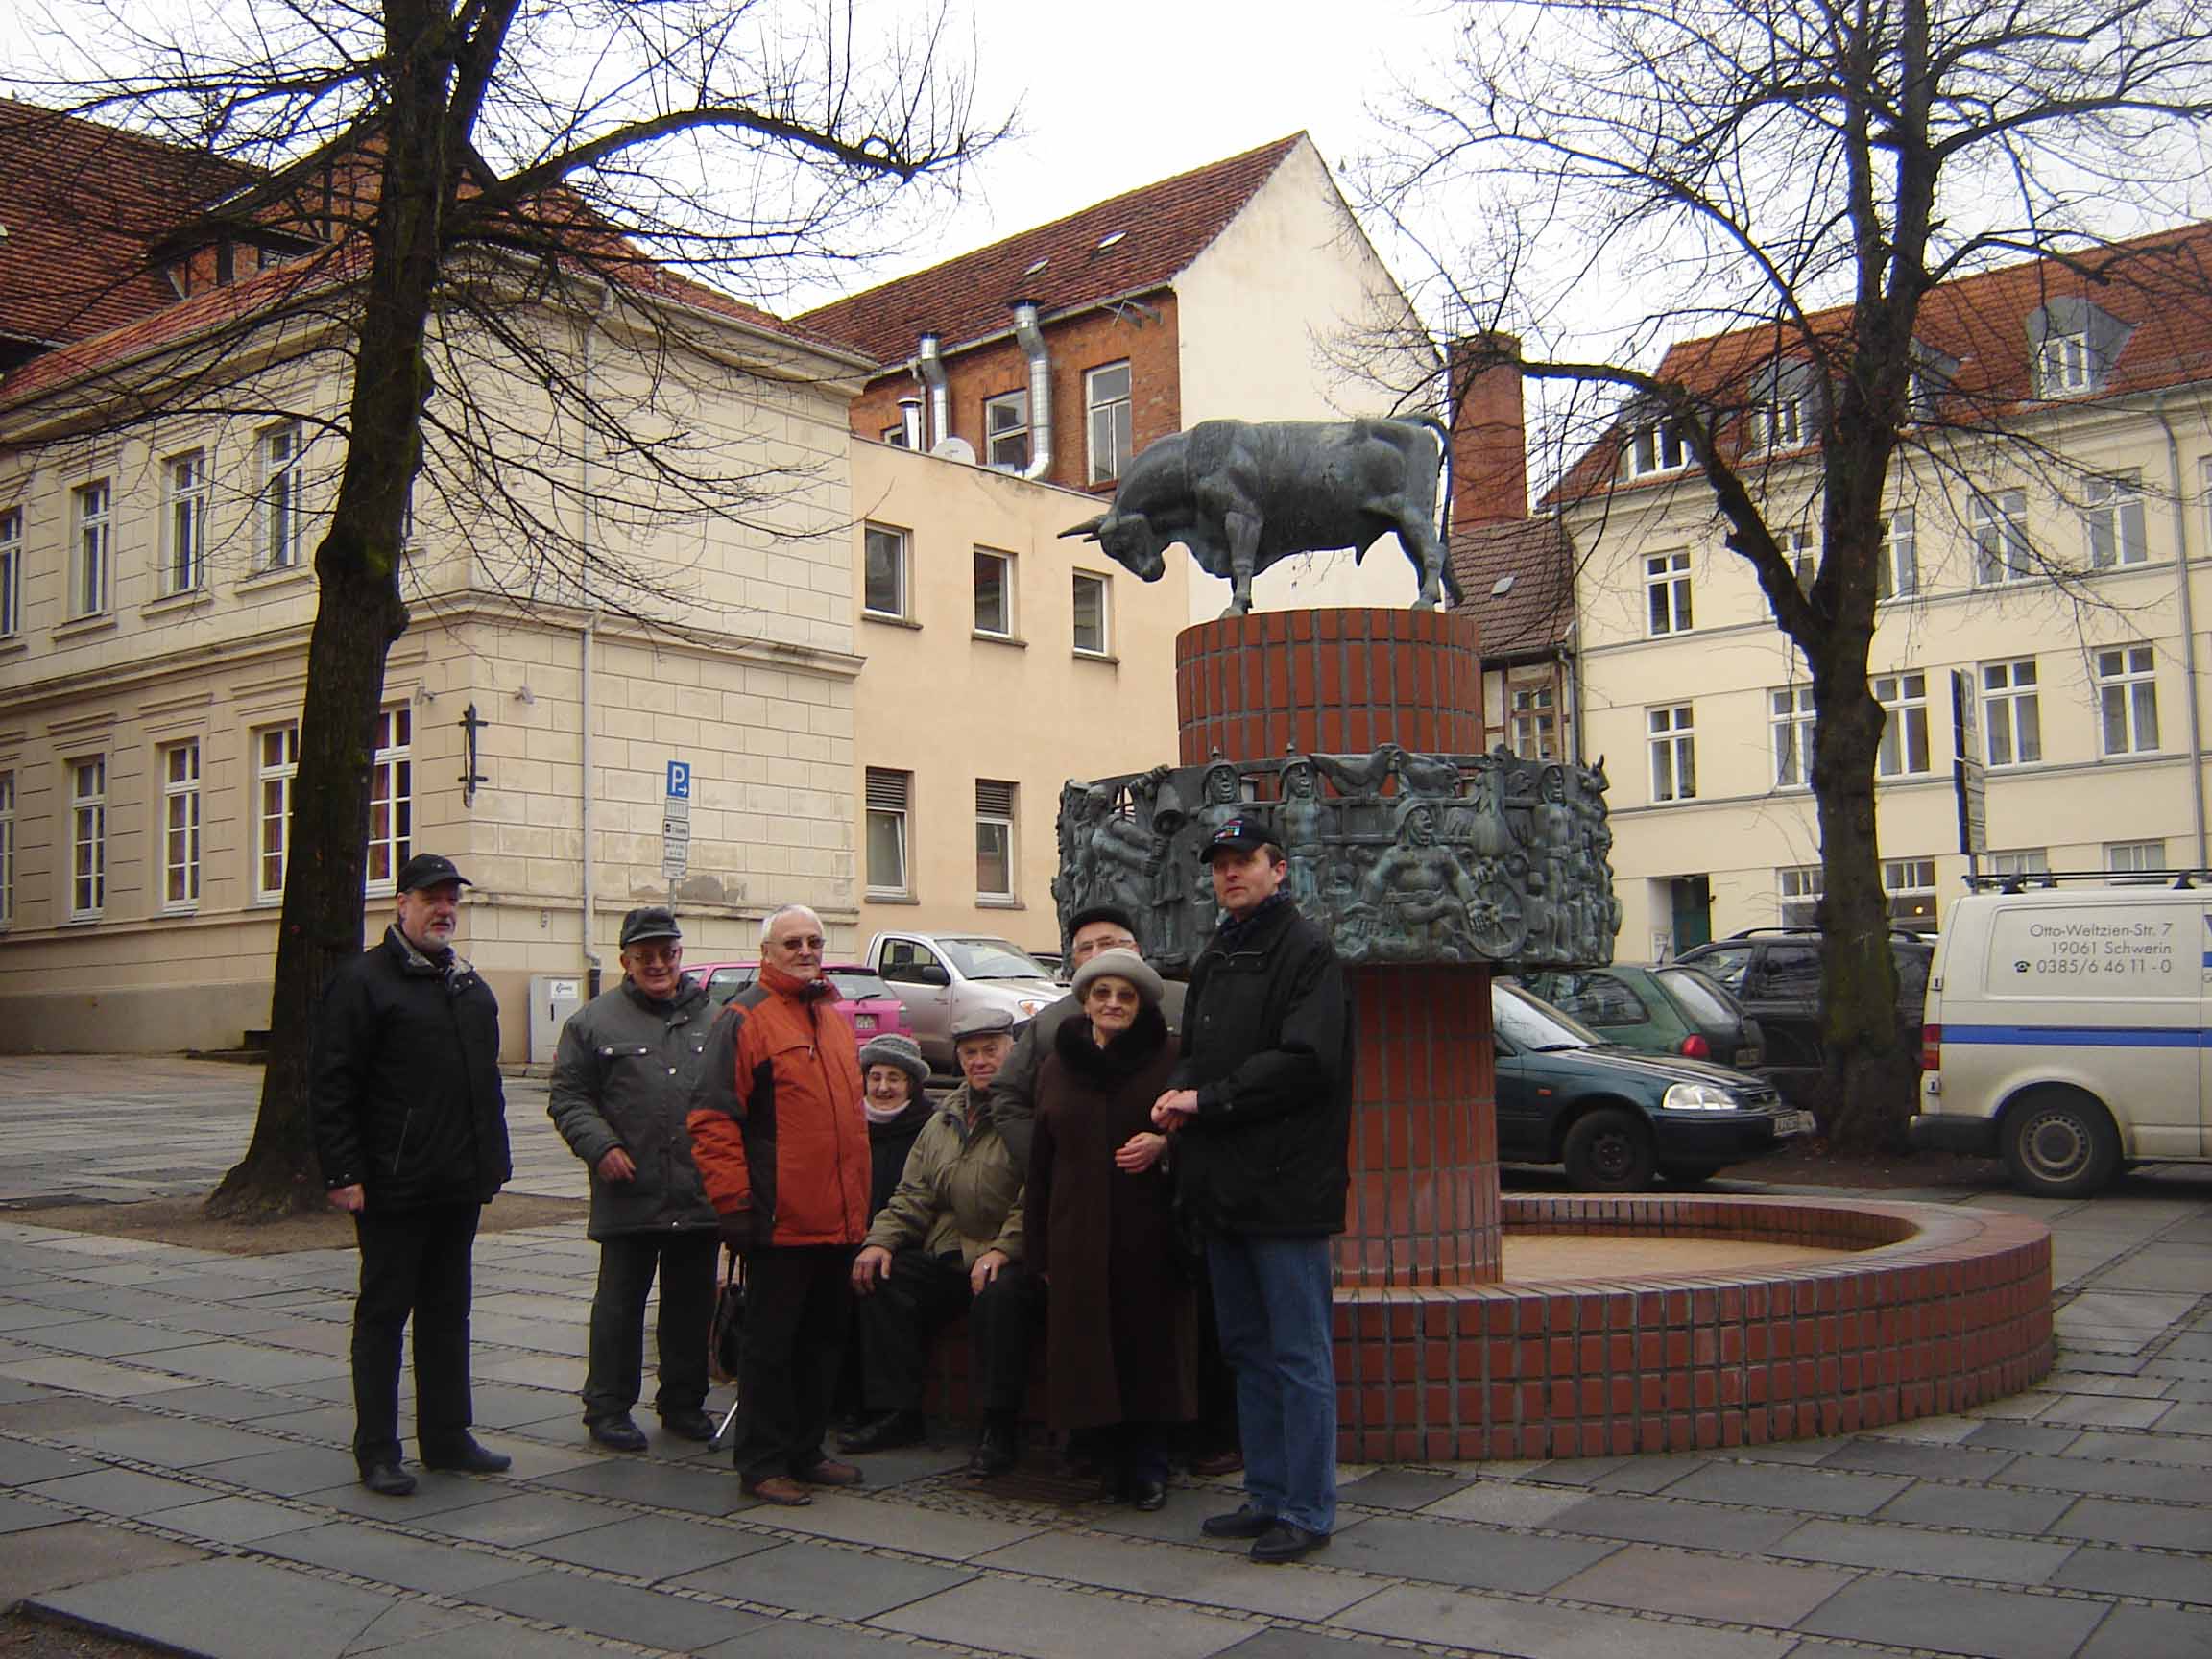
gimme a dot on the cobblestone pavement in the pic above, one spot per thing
(173, 1466)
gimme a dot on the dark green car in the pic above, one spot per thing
(1615, 1117)
(1669, 1009)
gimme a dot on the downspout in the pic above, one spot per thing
(2188, 630)
(1031, 340)
(930, 364)
(587, 537)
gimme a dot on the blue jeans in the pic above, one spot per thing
(1272, 1299)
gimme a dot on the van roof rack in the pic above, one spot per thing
(2179, 881)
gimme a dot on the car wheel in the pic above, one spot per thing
(1610, 1150)
(1688, 1174)
(2059, 1143)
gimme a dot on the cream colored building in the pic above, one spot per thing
(2057, 570)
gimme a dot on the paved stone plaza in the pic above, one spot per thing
(173, 1466)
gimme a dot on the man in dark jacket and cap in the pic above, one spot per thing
(411, 1132)
(622, 1083)
(1261, 1107)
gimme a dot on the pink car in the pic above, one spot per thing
(862, 997)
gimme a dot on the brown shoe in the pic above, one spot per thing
(777, 1489)
(831, 1472)
(1219, 1462)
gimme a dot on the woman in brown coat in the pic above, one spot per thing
(1121, 1336)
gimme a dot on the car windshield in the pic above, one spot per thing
(978, 957)
(1527, 1022)
(857, 984)
(1705, 1001)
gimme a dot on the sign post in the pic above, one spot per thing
(676, 826)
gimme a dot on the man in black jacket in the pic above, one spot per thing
(1261, 1106)
(411, 1130)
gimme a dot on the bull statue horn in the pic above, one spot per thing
(1088, 529)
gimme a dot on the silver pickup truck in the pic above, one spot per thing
(940, 976)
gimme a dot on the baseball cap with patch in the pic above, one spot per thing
(1237, 835)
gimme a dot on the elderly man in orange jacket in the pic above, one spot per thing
(780, 1138)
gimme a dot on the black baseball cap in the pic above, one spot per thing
(429, 869)
(1237, 835)
(649, 922)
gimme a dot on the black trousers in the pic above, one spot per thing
(627, 1265)
(413, 1263)
(796, 1298)
(919, 1297)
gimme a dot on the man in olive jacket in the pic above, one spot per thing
(411, 1132)
(622, 1083)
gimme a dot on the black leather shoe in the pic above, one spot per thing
(1244, 1522)
(387, 1479)
(1286, 1541)
(995, 1454)
(691, 1425)
(885, 1433)
(616, 1434)
(466, 1456)
(1148, 1495)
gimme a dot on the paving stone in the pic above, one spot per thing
(653, 1546)
(110, 1338)
(1474, 1558)
(251, 1365)
(1505, 1504)
(2024, 1437)
(618, 1611)
(1984, 1509)
(1399, 1489)
(1819, 1491)
(1918, 1460)
(1281, 1643)
(520, 1520)
(887, 1525)
(2150, 1633)
(121, 1492)
(638, 1480)
(2159, 1525)
(1655, 1580)
(236, 1520)
(169, 1441)
(2137, 1573)
(791, 1639)
(79, 1551)
(1041, 1622)
(2107, 1412)
(19, 1515)
(1530, 1630)
(434, 1567)
(21, 1464)
(814, 1578)
(2102, 1479)
(1230, 1583)
(2133, 1385)
(1957, 1619)
(1655, 1520)
(409, 1621)
(227, 1403)
(434, 1494)
(1909, 1550)
(36, 1315)
(197, 1609)
(2184, 1451)
(82, 1374)
(290, 1471)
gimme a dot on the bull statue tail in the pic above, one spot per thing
(1088, 529)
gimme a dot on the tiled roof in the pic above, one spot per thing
(82, 205)
(1517, 580)
(2159, 285)
(1133, 243)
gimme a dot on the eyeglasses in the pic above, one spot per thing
(655, 956)
(811, 942)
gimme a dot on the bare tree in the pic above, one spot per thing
(435, 189)
(1793, 180)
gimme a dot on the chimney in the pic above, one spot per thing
(1489, 445)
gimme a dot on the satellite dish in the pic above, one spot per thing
(956, 449)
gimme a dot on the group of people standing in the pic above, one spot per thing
(1092, 1172)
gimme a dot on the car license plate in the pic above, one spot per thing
(863, 1021)
(1788, 1123)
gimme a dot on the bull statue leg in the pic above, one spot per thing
(1426, 553)
(1243, 555)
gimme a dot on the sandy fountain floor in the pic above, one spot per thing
(1608, 1256)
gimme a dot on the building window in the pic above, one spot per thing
(2065, 365)
(1804, 560)
(1903, 751)
(1657, 447)
(1006, 430)
(1800, 887)
(1673, 754)
(1536, 729)
(1667, 594)
(884, 582)
(2112, 521)
(2127, 699)
(993, 840)
(281, 448)
(995, 593)
(391, 796)
(91, 562)
(87, 838)
(1094, 616)
(2135, 857)
(1898, 574)
(276, 751)
(11, 574)
(181, 826)
(2011, 713)
(1113, 428)
(1779, 423)
(889, 794)
(895, 436)
(1999, 526)
(1911, 884)
(1790, 711)
(2017, 865)
(185, 523)
(7, 848)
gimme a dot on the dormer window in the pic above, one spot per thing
(2063, 365)
(1932, 376)
(1784, 412)
(2074, 346)
(1656, 447)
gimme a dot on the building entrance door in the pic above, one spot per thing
(1693, 910)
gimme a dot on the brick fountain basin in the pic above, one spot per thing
(1788, 1317)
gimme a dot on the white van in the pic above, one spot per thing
(2066, 1031)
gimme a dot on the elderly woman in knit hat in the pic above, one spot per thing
(1121, 1344)
(893, 1076)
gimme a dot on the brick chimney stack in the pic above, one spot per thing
(1489, 444)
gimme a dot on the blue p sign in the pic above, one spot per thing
(679, 780)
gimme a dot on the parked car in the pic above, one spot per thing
(862, 997)
(1667, 1009)
(941, 976)
(1775, 973)
(1616, 1116)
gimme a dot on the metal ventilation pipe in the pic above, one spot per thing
(1031, 340)
(930, 364)
(910, 423)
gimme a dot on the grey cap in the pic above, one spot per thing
(649, 922)
(896, 1048)
(983, 1023)
(1122, 965)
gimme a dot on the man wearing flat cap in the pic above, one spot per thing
(622, 1083)
(949, 1243)
(1260, 1107)
(411, 1132)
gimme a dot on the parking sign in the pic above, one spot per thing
(679, 780)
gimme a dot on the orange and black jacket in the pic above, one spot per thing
(778, 1130)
